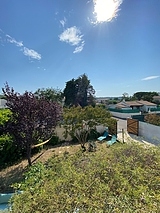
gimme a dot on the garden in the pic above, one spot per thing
(66, 176)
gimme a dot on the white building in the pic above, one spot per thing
(2, 103)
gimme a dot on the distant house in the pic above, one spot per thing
(2, 103)
(141, 105)
(156, 98)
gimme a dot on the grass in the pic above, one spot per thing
(120, 168)
(116, 179)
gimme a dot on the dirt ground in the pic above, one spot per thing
(14, 173)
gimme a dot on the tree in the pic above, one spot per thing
(50, 94)
(78, 122)
(79, 92)
(70, 92)
(32, 119)
(146, 96)
(125, 96)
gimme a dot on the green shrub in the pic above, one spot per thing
(123, 178)
(54, 140)
(4, 116)
(9, 152)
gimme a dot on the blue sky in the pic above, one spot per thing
(45, 43)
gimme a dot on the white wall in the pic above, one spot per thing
(2, 103)
(150, 132)
(123, 115)
(59, 132)
(147, 108)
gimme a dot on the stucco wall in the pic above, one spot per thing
(147, 108)
(60, 130)
(123, 115)
(150, 132)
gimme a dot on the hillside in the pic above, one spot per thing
(114, 179)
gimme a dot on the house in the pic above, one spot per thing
(156, 98)
(141, 105)
(2, 103)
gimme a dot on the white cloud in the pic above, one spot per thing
(79, 48)
(31, 53)
(73, 37)
(150, 78)
(26, 51)
(13, 41)
(63, 22)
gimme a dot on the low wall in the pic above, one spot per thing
(123, 115)
(150, 132)
(60, 130)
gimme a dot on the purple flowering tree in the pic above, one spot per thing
(33, 119)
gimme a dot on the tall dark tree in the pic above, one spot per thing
(70, 93)
(32, 119)
(79, 92)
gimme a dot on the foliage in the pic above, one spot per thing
(50, 94)
(8, 150)
(2, 96)
(32, 119)
(78, 122)
(125, 96)
(152, 119)
(54, 140)
(79, 92)
(118, 179)
(5, 115)
(146, 96)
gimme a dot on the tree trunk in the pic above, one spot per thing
(29, 154)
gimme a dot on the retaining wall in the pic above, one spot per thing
(123, 115)
(150, 132)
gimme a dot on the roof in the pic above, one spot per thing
(156, 97)
(134, 103)
(147, 103)
(127, 104)
(121, 105)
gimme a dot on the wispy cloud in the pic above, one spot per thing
(32, 54)
(79, 48)
(63, 22)
(73, 36)
(150, 78)
(13, 41)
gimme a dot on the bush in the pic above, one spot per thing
(123, 178)
(54, 140)
(9, 151)
(153, 119)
